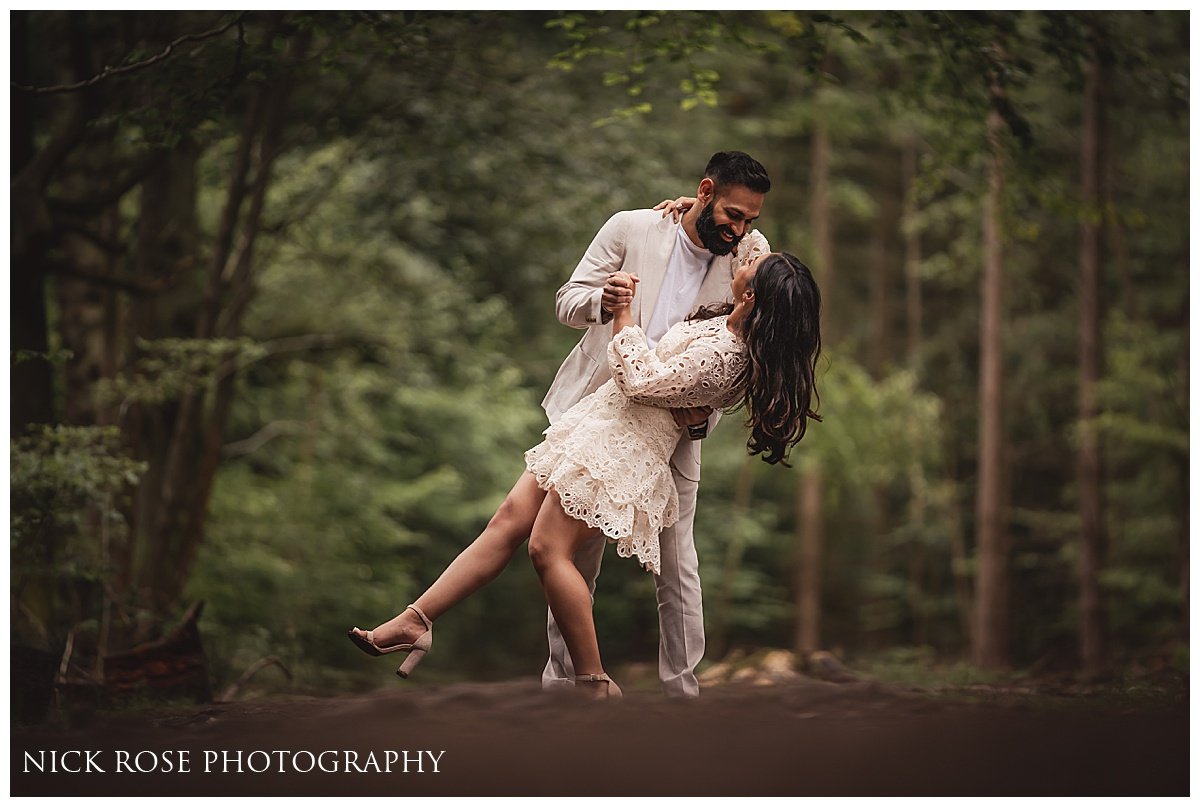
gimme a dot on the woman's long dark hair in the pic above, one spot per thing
(783, 338)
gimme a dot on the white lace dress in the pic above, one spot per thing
(609, 455)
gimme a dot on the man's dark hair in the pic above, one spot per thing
(737, 168)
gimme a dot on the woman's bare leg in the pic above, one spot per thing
(552, 546)
(476, 566)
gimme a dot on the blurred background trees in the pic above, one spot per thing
(282, 316)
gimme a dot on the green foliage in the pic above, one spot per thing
(1144, 428)
(919, 667)
(60, 470)
(55, 357)
(874, 430)
(1145, 394)
(875, 433)
(67, 486)
(390, 456)
(169, 368)
(438, 183)
(645, 45)
(908, 435)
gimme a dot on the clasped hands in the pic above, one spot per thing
(621, 286)
(619, 290)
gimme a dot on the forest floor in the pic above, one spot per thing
(784, 735)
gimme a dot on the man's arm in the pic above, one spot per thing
(579, 301)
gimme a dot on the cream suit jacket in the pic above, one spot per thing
(638, 242)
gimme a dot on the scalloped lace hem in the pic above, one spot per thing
(633, 530)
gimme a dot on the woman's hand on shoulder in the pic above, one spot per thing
(675, 207)
(753, 245)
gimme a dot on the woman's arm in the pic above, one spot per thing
(623, 315)
(699, 376)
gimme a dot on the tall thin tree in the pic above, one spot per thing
(989, 636)
(1091, 536)
(810, 521)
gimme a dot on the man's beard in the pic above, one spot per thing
(710, 233)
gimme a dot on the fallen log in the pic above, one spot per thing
(171, 667)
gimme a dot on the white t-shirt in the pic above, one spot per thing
(685, 273)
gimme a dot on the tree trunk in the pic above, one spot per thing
(887, 221)
(960, 568)
(31, 382)
(912, 299)
(87, 321)
(742, 496)
(912, 256)
(1091, 538)
(885, 224)
(198, 431)
(184, 445)
(810, 518)
(167, 240)
(1184, 551)
(989, 639)
(822, 226)
(810, 525)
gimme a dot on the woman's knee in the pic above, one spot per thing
(510, 523)
(543, 551)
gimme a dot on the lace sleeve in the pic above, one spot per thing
(699, 376)
(753, 245)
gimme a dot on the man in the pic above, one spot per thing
(680, 267)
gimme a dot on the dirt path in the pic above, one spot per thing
(801, 738)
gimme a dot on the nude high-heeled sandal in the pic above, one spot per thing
(416, 650)
(611, 691)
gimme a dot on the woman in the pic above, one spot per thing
(604, 465)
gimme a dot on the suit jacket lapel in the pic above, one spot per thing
(659, 243)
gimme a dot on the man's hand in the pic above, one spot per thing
(618, 292)
(691, 416)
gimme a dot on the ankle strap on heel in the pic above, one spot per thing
(428, 622)
(594, 677)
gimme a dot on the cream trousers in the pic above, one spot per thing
(680, 606)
